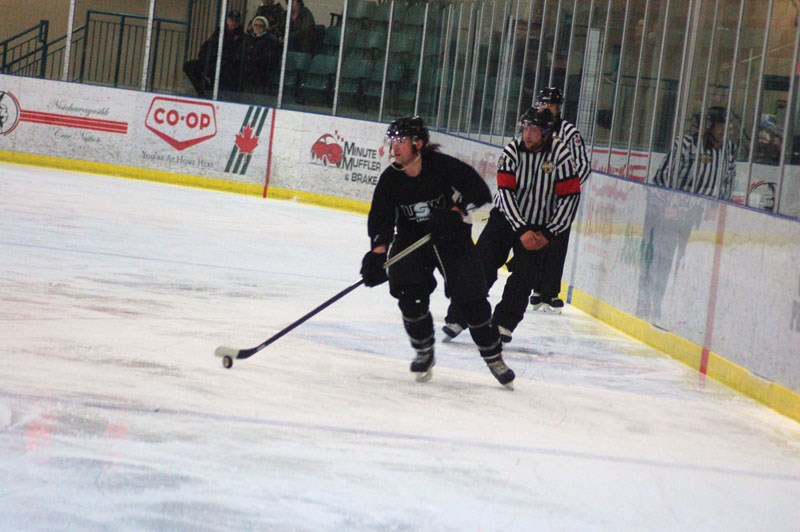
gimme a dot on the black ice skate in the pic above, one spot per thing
(423, 364)
(501, 372)
(536, 301)
(554, 306)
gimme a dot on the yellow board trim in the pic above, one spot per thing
(172, 178)
(769, 393)
(341, 204)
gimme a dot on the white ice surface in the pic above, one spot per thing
(115, 415)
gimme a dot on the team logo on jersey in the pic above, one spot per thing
(421, 212)
(9, 113)
(501, 161)
(706, 158)
(577, 140)
(547, 167)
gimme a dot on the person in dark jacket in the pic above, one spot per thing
(426, 192)
(301, 28)
(201, 71)
(260, 57)
(275, 15)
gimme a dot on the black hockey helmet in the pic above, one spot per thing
(550, 95)
(412, 127)
(541, 118)
(715, 115)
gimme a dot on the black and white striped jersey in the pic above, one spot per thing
(713, 175)
(570, 136)
(537, 189)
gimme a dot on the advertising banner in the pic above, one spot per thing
(63, 120)
(345, 157)
(328, 155)
(135, 129)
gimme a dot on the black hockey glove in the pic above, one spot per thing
(372, 269)
(447, 224)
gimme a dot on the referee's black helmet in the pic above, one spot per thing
(550, 95)
(715, 115)
(541, 118)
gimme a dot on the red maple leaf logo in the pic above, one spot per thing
(246, 141)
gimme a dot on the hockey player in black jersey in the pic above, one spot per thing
(537, 197)
(547, 287)
(426, 192)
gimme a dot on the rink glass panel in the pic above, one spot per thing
(636, 73)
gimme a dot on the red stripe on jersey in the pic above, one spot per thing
(568, 187)
(506, 180)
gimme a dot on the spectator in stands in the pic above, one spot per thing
(273, 11)
(260, 56)
(201, 71)
(301, 28)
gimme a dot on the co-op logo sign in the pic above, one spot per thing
(181, 123)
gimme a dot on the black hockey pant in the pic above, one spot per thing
(411, 281)
(495, 243)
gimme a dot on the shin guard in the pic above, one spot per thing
(482, 328)
(487, 339)
(418, 323)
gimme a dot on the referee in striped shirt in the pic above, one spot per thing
(546, 290)
(716, 167)
(538, 190)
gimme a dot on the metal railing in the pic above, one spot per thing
(108, 50)
(114, 48)
(55, 55)
(25, 54)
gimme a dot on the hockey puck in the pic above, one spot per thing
(227, 362)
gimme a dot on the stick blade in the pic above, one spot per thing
(223, 351)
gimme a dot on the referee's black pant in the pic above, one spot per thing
(495, 243)
(549, 285)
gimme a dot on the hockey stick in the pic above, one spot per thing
(229, 354)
